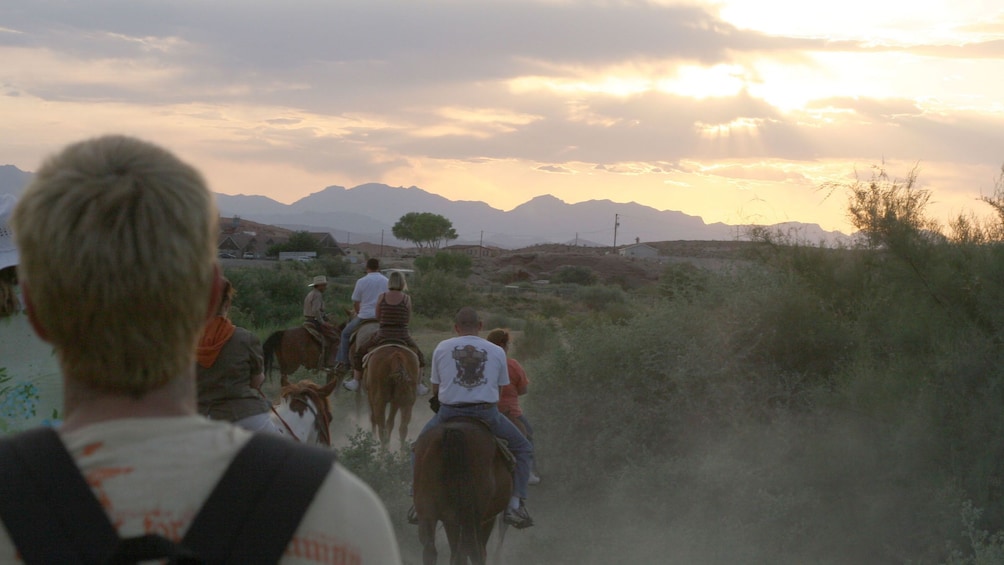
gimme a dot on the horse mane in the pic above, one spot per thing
(311, 390)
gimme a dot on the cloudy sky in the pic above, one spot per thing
(735, 110)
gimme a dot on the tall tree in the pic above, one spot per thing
(424, 229)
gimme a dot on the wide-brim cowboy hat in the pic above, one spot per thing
(319, 279)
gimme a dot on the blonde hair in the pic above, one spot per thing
(396, 281)
(117, 257)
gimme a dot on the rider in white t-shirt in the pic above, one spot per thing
(467, 375)
(364, 300)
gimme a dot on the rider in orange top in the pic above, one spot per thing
(518, 385)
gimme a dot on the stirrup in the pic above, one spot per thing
(518, 518)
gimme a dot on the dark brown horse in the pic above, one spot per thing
(462, 480)
(293, 348)
(390, 377)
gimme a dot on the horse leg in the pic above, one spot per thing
(427, 537)
(378, 423)
(405, 420)
(484, 533)
(501, 538)
(389, 423)
(457, 556)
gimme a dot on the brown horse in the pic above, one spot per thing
(293, 348)
(461, 479)
(390, 376)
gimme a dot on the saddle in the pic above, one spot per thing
(317, 332)
(364, 325)
(389, 343)
(501, 444)
(314, 332)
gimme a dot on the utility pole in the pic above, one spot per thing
(381, 243)
(616, 224)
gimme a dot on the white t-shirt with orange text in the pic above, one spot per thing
(152, 475)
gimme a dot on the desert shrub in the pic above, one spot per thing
(680, 281)
(551, 307)
(599, 298)
(386, 472)
(274, 297)
(574, 274)
(493, 320)
(266, 296)
(334, 267)
(983, 548)
(456, 264)
(437, 294)
(540, 336)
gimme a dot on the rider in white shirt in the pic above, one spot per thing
(364, 300)
(468, 373)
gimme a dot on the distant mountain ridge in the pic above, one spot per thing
(367, 213)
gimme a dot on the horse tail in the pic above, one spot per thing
(400, 368)
(460, 488)
(269, 348)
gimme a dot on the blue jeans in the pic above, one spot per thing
(343, 346)
(501, 427)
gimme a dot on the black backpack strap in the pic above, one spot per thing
(46, 504)
(53, 516)
(251, 515)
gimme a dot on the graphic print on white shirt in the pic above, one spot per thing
(470, 366)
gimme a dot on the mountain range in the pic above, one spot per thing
(368, 212)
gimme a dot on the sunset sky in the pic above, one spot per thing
(736, 111)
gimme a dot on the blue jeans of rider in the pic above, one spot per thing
(343, 346)
(501, 427)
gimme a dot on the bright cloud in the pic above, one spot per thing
(726, 109)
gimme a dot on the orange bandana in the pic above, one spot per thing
(216, 333)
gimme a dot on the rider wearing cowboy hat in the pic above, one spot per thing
(313, 312)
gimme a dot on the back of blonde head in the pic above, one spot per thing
(117, 240)
(396, 281)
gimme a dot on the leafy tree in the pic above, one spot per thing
(424, 229)
(299, 241)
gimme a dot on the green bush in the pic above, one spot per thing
(386, 472)
(274, 297)
(456, 264)
(599, 297)
(540, 337)
(437, 294)
(574, 274)
(680, 281)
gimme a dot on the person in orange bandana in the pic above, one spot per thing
(229, 371)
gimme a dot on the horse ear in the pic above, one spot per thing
(283, 381)
(326, 390)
